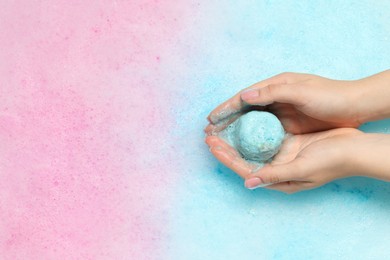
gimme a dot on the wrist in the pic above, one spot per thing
(369, 97)
(367, 156)
(357, 105)
(340, 155)
(350, 154)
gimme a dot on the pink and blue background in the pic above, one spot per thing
(102, 106)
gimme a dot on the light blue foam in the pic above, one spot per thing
(238, 43)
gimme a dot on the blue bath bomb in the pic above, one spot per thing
(256, 135)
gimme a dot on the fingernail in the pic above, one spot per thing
(209, 130)
(212, 119)
(249, 94)
(253, 183)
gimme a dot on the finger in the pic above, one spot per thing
(272, 174)
(228, 156)
(286, 187)
(214, 141)
(235, 104)
(281, 93)
(212, 129)
(233, 162)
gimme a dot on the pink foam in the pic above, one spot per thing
(82, 126)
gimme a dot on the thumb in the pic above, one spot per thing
(282, 93)
(271, 174)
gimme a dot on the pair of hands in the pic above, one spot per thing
(321, 116)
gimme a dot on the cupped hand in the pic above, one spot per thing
(303, 162)
(304, 103)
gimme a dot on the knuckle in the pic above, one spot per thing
(232, 160)
(266, 95)
(271, 90)
(274, 179)
(264, 89)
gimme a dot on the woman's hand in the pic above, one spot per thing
(303, 103)
(303, 162)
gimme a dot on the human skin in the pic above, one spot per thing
(307, 105)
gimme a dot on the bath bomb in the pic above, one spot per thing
(257, 135)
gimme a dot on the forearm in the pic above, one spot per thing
(372, 97)
(369, 155)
